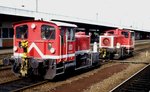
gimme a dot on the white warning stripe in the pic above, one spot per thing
(127, 45)
(33, 45)
(82, 51)
(47, 56)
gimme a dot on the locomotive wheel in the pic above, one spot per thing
(16, 69)
(118, 54)
(51, 71)
(6, 61)
(123, 53)
(131, 53)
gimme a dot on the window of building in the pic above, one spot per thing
(0, 33)
(47, 32)
(11, 32)
(4, 32)
(22, 32)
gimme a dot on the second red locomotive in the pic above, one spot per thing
(116, 44)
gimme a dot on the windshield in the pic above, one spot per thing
(126, 34)
(47, 32)
(22, 32)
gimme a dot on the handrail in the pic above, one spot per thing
(66, 46)
(60, 47)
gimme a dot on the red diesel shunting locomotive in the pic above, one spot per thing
(49, 48)
(116, 44)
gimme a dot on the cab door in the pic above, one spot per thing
(126, 38)
(67, 36)
(21, 37)
(132, 38)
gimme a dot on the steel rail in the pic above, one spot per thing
(5, 67)
(138, 82)
(20, 84)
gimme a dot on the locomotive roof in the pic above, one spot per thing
(63, 24)
(54, 22)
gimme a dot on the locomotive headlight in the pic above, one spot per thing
(118, 45)
(33, 26)
(52, 50)
(49, 46)
(106, 42)
(15, 48)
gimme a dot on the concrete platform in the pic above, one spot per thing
(5, 51)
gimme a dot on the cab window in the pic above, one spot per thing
(47, 32)
(126, 34)
(111, 32)
(70, 32)
(22, 32)
(62, 33)
(132, 34)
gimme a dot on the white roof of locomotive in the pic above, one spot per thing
(63, 24)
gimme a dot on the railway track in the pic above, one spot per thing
(4, 55)
(20, 84)
(139, 82)
(5, 67)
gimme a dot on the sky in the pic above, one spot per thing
(133, 13)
